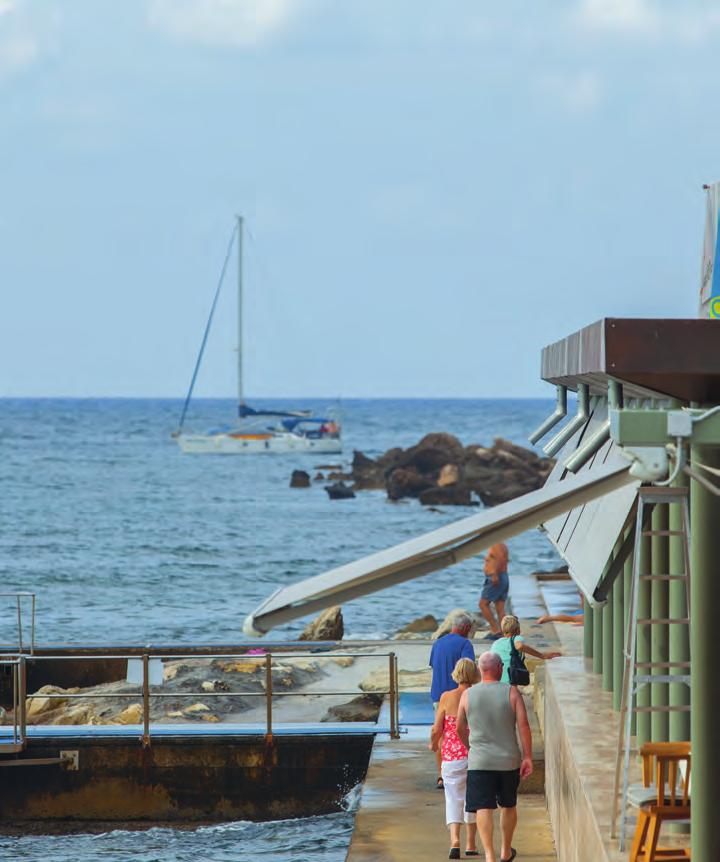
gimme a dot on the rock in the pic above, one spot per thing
(328, 626)
(408, 680)
(449, 475)
(196, 708)
(130, 715)
(319, 477)
(446, 625)
(328, 466)
(366, 473)
(39, 705)
(241, 665)
(339, 491)
(428, 623)
(365, 707)
(300, 479)
(214, 685)
(77, 715)
(342, 660)
(406, 483)
(450, 495)
(432, 453)
(209, 717)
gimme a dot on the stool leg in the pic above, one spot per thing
(639, 839)
(653, 835)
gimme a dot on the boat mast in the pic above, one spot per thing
(241, 399)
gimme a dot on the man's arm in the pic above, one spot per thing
(523, 725)
(463, 730)
(467, 650)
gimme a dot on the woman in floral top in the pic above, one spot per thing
(455, 758)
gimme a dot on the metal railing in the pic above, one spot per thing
(19, 611)
(20, 695)
(18, 704)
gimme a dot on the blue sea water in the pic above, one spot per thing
(126, 540)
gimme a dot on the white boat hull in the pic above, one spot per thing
(230, 444)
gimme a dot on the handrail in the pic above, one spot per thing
(17, 596)
(19, 683)
(21, 696)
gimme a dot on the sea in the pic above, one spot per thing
(126, 540)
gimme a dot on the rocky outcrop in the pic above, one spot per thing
(408, 680)
(449, 475)
(428, 624)
(187, 680)
(365, 707)
(406, 482)
(442, 472)
(326, 627)
(450, 495)
(340, 491)
(300, 479)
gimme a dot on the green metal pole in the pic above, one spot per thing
(704, 604)
(627, 586)
(644, 655)
(659, 635)
(618, 599)
(679, 647)
(609, 636)
(587, 629)
(597, 640)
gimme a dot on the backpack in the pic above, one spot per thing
(518, 674)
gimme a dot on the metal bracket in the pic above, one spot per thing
(70, 760)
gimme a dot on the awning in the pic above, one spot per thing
(586, 536)
(438, 549)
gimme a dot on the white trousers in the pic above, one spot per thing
(454, 776)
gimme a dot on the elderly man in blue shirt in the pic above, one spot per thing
(444, 656)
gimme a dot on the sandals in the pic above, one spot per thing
(454, 853)
(513, 854)
(472, 853)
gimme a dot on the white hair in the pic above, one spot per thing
(490, 662)
(461, 621)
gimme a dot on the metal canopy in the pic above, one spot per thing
(670, 358)
(585, 536)
(438, 549)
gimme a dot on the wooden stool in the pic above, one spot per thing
(668, 763)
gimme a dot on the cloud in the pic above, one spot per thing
(579, 92)
(19, 47)
(692, 21)
(239, 23)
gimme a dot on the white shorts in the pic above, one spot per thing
(454, 776)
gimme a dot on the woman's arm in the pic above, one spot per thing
(561, 618)
(523, 647)
(436, 732)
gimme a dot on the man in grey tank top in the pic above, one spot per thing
(490, 718)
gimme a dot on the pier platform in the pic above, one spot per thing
(402, 815)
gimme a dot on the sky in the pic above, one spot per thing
(432, 191)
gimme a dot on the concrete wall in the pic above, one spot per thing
(201, 779)
(580, 743)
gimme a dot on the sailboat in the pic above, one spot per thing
(257, 431)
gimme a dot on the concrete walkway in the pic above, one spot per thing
(402, 816)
